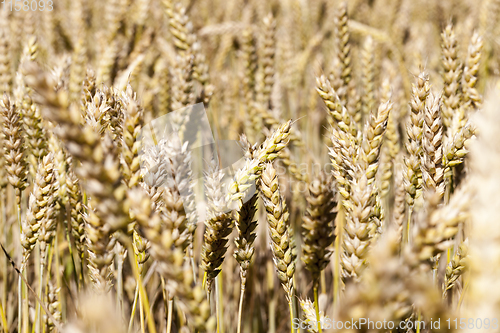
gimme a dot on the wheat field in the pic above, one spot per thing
(249, 166)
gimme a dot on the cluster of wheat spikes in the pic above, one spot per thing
(367, 184)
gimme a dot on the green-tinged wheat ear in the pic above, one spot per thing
(171, 263)
(141, 249)
(279, 228)
(452, 75)
(455, 150)
(267, 152)
(14, 147)
(458, 265)
(318, 225)
(414, 129)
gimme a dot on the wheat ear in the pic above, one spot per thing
(471, 95)
(171, 263)
(432, 158)
(219, 225)
(414, 129)
(279, 230)
(452, 74)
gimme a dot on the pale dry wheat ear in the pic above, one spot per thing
(77, 211)
(279, 231)
(115, 113)
(390, 145)
(238, 190)
(265, 80)
(130, 162)
(432, 138)
(32, 119)
(219, 225)
(182, 83)
(168, 182)
(171, 263)
(357, 229)
(456, 268)
(187, 45)
(383, 292)
(244, 217)
(472, 98)
(313, 320)
(343, 143)
(36, 133)
(14, 146)
(53, 305)
(77, 71)
(368, 158)
(99, 166)
(438, 225)
(374, 131)
(30, 226)
(183, 70)
(45, 192)
(337, 113)
(5, 59)
(249, 63)
(113, 14)
(452, 75)
(414, 129)
(95, 112)
(132, 125)
(343, 51)
(399, 209)
(368, 76)
(318, 225)
(89, 89)
(162, 75)
(318, 229)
